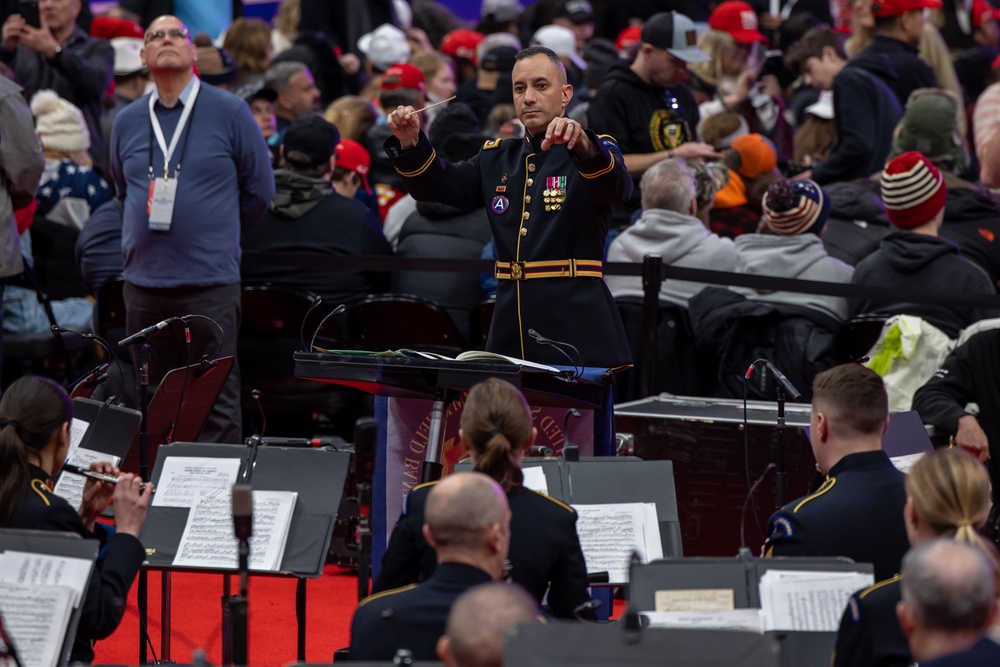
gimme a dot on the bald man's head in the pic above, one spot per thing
(462, 508)
(479, 622)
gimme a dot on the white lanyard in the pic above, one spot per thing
(168, 151)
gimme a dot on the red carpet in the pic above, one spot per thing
(196, 621)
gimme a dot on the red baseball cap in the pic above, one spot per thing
(402, 75)
(628, 39)
(739, 20)
(462, 43)
(982, 11)
(109, 27)
(352, 156)
(884, 9)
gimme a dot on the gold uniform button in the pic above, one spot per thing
(530, 182)
(524, 231)
(531, 168)
(525, 216)
(527, 199)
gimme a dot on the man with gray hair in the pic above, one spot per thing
(467, 522)
(297, 95)
(668, 228)
(949, 601)
(479, 622)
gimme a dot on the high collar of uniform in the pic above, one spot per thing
(860, 460)
(34, 472)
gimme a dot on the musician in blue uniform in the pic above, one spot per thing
(549, 198)
(468, 525)
(35, 415)
(545, 554)
(858, 511)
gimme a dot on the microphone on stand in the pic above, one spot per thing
(562, 347)
(141, 336)
(790, 389)
(243, 529)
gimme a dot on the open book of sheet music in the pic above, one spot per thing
(609, 534)
(469, 355)
(209, 542)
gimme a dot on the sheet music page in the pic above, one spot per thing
(70, 486)
(803, 600)
(208, 540)
(609, 533)
(695, 599)
(36, 618)
(534, 479)
(77, 429)
(747, 620)
(186, 479)
(31, 569)
(653, 547)
(905, 462)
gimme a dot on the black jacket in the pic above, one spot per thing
(545, 553)
(107, 590)
(857, 513)
(510, 178)
(869, 634)
(866, 112)
(797, 339)
(972, 221)
(921, 263)
(910, 71)
(641, 119)
(307, 215)
(440, 231)
(970, 374)
(857, 222)
(412, 617)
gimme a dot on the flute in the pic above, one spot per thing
(99, 476)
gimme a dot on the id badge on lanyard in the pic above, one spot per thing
(163, 192)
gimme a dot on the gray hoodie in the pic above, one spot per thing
(681, 240)
(802, 257)
(21, 165)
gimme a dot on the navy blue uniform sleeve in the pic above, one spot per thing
(784, 536)
(429, 178)
(401, 560)
(854, 646)
(605, 176)
(568, 577)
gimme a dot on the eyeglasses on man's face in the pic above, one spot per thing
(160, 35)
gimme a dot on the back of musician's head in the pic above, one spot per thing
(479, 621)
(31, 411)
(950, 491)
(463, 509)
(853, 398)
(948, 586)
(496, 424)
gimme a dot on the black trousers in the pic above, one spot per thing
(145, 306)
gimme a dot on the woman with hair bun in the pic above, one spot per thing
(35, 415)
(545, 554)
(948, 495)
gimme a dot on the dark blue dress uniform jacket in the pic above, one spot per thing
(869, 634)
(107, 591)
(857, 513)
(510, 179)
(545, 552)
(413, 617)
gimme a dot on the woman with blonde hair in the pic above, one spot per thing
(353, 116)
(439, 77)
(248, 41)
(948, 495)
(286, 25)
(545, 554)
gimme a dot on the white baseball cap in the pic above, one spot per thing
(385, 46)
(561, 40)
(127, 58)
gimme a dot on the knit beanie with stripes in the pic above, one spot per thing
(913, 190)
(795, 207)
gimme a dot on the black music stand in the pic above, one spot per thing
(55, 544)
(573, 644)
(311, 472)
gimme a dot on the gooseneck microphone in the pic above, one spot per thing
(141, 336)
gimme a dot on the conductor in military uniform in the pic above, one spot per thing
(468, 525)
(858, 511)
(549, 198)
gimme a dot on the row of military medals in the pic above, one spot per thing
(555, 193)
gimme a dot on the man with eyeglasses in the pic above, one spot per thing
(193, 173)
(55, 54)
(646, 107)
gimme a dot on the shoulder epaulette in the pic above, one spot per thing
(557, 502)
(406, 500)
(424, 485)
(42, 489)
(491, 143)
(879, 584)
(383, 594)
(827, 485)
(607, 136)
